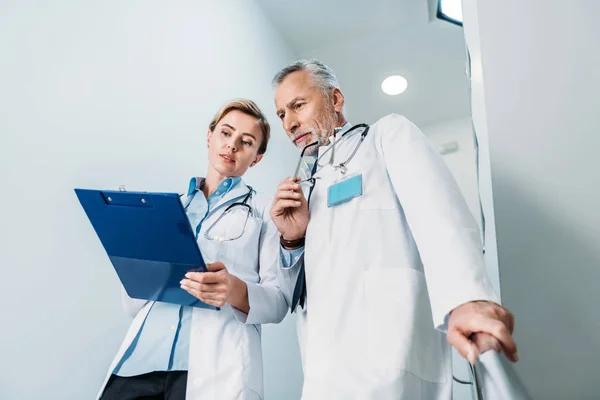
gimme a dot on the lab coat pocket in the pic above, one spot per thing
(252, 361)
(400, 334)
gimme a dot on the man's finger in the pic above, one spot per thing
(288, 186)
(290, 179)
(287, 195)
(486, 342)
(501, 332)
(460, 342)
(281, 205)
(510, 349)
(511, 322)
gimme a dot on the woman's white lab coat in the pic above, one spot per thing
(225, 358)
(384, 270)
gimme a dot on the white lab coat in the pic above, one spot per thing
(384, 270)
(225, 359)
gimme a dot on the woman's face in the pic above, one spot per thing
(234, 143)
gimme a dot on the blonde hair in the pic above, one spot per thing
(250, 108)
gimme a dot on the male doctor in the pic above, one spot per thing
(384, 256)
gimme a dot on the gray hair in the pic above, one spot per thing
(321, 74)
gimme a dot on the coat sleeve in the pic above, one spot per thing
(291, 265)
(266, 298)
(445, 232)
(130, 305)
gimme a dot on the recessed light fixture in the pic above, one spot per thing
(394, 85)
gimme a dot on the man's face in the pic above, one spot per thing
(306, 113)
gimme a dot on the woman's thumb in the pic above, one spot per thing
(214, 267)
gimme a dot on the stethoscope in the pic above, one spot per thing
(242, 204)
(341, 166)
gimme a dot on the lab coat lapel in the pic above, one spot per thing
(236, 194)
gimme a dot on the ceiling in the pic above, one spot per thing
(364, 42)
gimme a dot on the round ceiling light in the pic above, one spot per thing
(394, 85)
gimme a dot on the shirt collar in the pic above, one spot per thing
(333, 138)
(224, 187)
(345, 127)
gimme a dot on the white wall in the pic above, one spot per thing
(97, 95)
(535, 100)
(461, 162)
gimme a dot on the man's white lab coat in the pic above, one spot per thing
(384, 270)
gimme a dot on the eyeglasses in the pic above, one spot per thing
(307, 165)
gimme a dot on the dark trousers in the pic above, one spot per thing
(153, 386)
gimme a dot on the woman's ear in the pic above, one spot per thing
(257, 160)
(208, 136)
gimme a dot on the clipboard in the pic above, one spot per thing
(149, 241)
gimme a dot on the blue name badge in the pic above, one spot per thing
(344, 190)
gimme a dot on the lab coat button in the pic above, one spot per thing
(173, 327)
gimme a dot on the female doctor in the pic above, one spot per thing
(177, 352)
